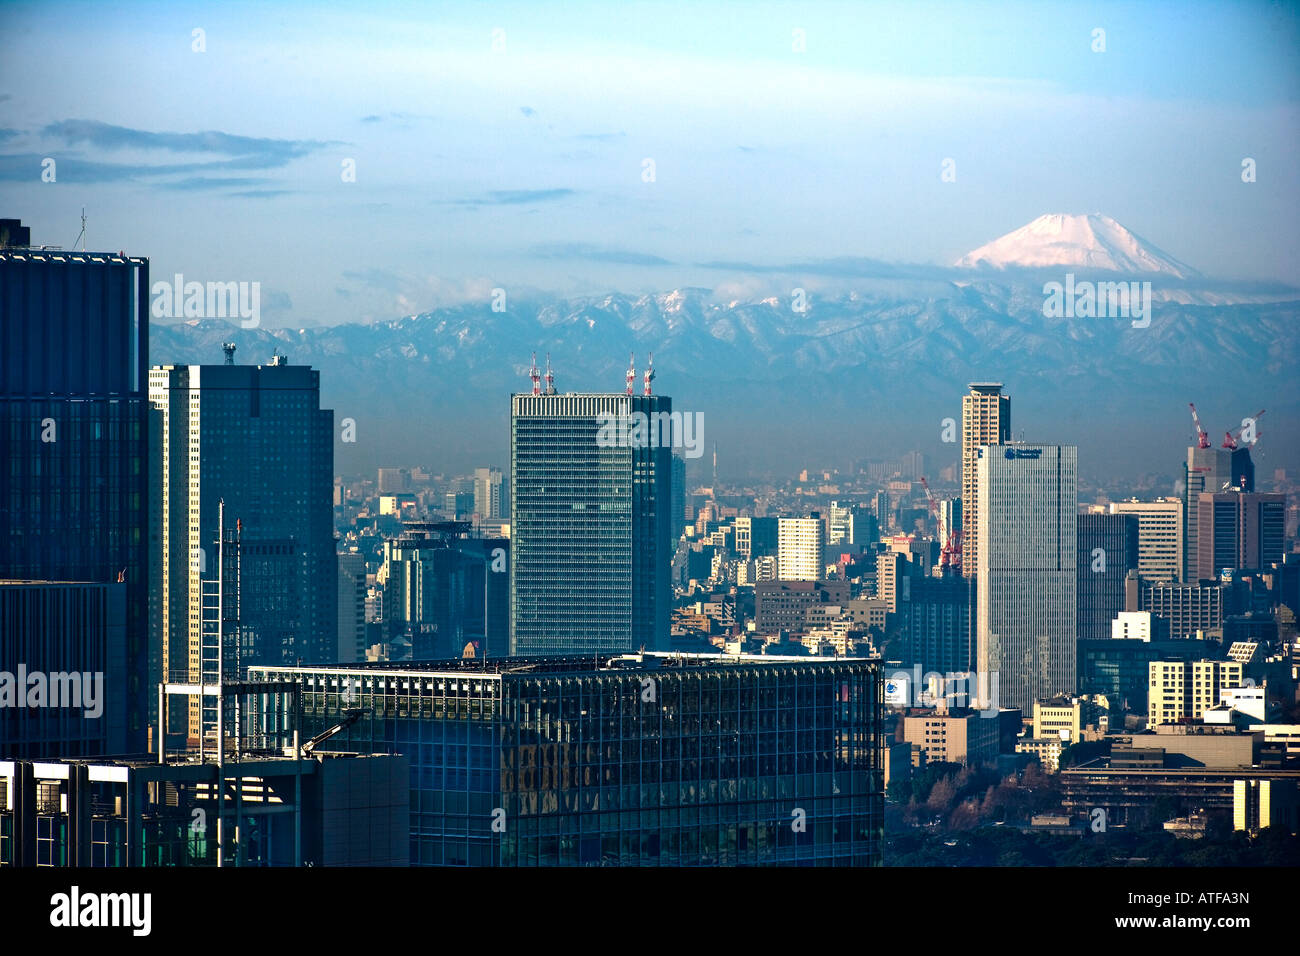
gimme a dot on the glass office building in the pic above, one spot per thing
(1025, 604)
(590, 524)
(638, 760)
(74, 347)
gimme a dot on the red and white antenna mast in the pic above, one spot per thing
(631, 371)
(535, 376)
(550, 376)
(649, 372)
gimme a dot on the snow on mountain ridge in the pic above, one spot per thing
(1091, 241)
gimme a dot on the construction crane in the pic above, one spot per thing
(1230, 440)
(1202, 436)
(950, 554)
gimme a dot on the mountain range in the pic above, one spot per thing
(863, 374)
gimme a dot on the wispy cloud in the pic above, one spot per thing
(590, 253)
(257, 152)
(513, 197)
(528, 111)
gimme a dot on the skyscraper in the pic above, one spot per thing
(1108, 550)
(590, 522)
(487, 492)
(1212, 470)
(1239, 530)
(1028, 556)
(256, 437)
(74, 350)
(985, 420)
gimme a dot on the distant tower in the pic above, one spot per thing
(536, 376)
(229, 349)
(649, 372)
(715, 463)
(631, 371)
(550, 376)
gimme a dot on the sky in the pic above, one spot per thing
(583, 148)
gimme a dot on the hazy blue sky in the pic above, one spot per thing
(522, 167)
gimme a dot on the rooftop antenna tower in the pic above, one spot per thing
(649, 373)
(81, 238)
(550, 376)
(229, 349)
(536, 376)
(631, 371)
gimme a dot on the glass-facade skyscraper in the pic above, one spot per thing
(74, 351)
(590, 524)
(1025, 607)
(639, 760)
(256, 437)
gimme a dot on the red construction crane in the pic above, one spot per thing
(1230, 440)
(950, 554)
(1202, 436)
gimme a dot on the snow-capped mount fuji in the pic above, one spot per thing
(1092, 241)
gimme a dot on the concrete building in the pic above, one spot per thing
(488, 498)
(801, 547)
(783, 605)
(352, 608)
(1160, 536)
(1139, 626)
(1189, 608)
(1184, 690)
(985, 420)
(1028, 556)
(590, 523)
(966, 737)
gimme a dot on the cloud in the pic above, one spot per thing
(590, 253)
(251, 152)
(528, 111)
(514, 197)
(600, 137)
(7, 134)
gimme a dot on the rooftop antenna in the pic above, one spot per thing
(229, 349)
(81, 238)
(535, 376)
(631, 371)
(649, 373)
(550, 376)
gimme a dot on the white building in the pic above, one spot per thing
(1160, 536)
(1131, 626)
(800, 545)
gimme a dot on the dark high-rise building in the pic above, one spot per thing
(678, 498)
(1238, 530)
(1212, 470)
(74, 347)
(74, 636)
(640, 760)
(590, 523)
(1108, 550)
(255, 437)
(447, 590)
(938, 623)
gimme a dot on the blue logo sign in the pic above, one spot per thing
(1031, 453)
